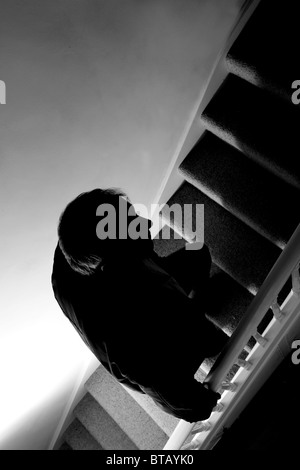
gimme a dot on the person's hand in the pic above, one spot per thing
(207, 386)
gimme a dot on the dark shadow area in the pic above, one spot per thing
(270, 420)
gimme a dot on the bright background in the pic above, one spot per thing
(98, 94)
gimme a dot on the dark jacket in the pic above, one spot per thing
(142, 327)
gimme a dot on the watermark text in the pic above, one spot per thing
(132, 221)
(2, 92)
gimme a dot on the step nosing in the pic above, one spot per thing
(252, 121)
(123, 409)
(78, 437)
(243, 187)
(251, 223)
(265, 53)
(147, 419)
(93, 417)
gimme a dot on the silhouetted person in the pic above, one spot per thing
(132, 308)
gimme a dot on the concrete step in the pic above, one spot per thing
(77, 437)
(101, 425)
(261, 125)
(126, 411)
(247, 190)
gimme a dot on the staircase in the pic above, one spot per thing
(244, 170)
(113, 417)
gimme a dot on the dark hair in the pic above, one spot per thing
(77, 229)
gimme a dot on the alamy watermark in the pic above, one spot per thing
(296, 354)
(296, 95)
(132, 221)
(2, 92)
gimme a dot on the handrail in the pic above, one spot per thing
(266, 295)
(284, 266)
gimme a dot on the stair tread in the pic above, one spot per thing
(79, 438)
(263, 127)
(226, 309)
(246, 189)
(102, 426)
(265, 55)
(165, 421)
(240, 251)
(125, 410)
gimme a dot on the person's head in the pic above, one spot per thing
(78, 239)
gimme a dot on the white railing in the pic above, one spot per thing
(270, 348)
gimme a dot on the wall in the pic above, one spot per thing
(98, 93)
